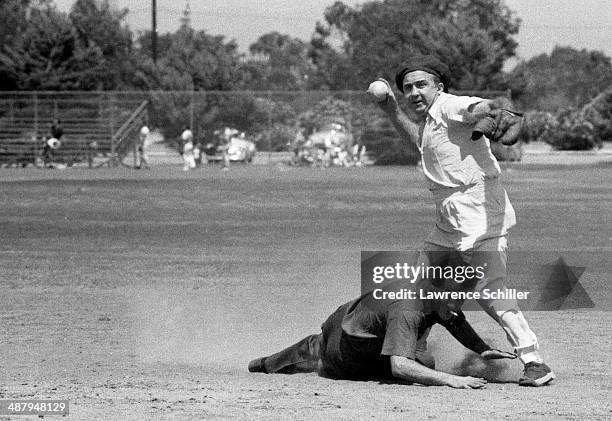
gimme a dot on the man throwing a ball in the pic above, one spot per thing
(473, 212)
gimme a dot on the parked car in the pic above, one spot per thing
(235, 143)
(332, 144)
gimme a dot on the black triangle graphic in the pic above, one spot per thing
(563, 283)
(578, 298)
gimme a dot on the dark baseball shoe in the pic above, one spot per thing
(257, 365)
(536, 374)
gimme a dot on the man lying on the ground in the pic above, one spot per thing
(369, 338)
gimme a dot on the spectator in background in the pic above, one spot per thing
(53, 143)
(198, 153)
(142, 160)
(358, 154)
(188, 157)
(57, 131)
(298, 143)
(226, 140)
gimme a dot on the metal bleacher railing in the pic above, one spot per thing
(123, 140)
(98, 126)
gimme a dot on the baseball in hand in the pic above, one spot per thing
(379, 90)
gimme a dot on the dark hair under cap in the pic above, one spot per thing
(426, 63)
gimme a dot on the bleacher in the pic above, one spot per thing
(98, 127)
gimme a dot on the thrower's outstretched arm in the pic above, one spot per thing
(407, 128)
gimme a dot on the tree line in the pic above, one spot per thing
(92, 48)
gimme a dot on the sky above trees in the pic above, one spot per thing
(545, 23)
(91, 48)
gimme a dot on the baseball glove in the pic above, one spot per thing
(501, 125)
(496, 354)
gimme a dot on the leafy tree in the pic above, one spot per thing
(582, 129)
(384, 145)
(99, 25)
(48, 55)
(599, 113)
(144, 43)
(572, 132)
(279, 63)
(330, 52)
(13, 23)
(565, 78)
(330, 110)
(372, 39)
(12, 19)
(536, 124)
(189, 60)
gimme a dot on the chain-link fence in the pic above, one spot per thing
(274, 121)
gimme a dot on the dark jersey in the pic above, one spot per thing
(388, 326)
(362, 334)
(57, 131)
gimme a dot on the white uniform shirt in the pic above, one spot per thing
(473, 210)
(450, 158)
(187, 135)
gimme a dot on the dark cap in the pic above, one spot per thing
(426, 63)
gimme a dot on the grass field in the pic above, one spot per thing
(145, 294)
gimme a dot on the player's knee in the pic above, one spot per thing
(513, 316)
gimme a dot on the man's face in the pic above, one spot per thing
(420, 90)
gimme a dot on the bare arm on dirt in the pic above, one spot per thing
(410, 370)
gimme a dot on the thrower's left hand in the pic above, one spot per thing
(496, 354)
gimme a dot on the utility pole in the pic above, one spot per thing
(154, 30)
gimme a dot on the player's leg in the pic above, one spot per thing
(144, 159)
(197, 155)
(507, 313)
(432, 259)
(225, 160)
(527, 348)
(493, 263)
(185, 161)
(191, 160)
(47, 155)
(302, 357)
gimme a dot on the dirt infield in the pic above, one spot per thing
(143, 294)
